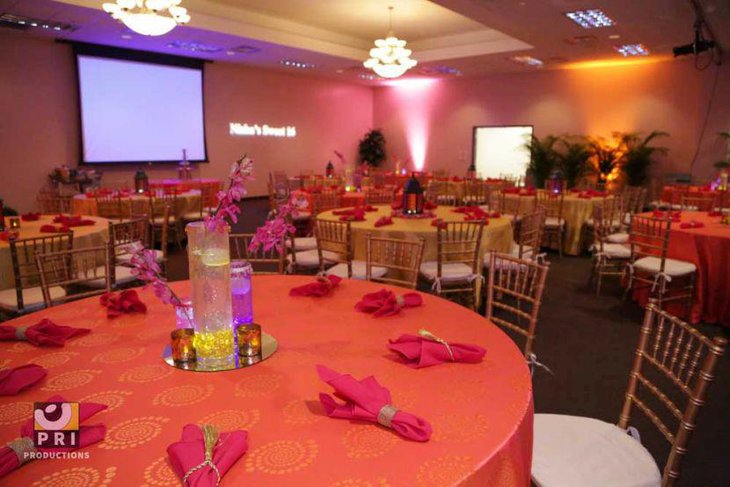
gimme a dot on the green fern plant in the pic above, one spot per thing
(638, 155)
(544, 158)
(574, 160)
(372, 148)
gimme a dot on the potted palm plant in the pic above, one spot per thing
(543, 158)
(638, 155)
(574, 159)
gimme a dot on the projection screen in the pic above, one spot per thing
(500, 151)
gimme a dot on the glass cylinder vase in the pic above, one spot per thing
(241, 292)
(210, 278)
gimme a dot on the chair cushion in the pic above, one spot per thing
(303, 243)
(310, 258)
(126, 258)
(672, 267)
(450, 272)
(32, 298)
(554, 221)
(571, 451)
(358, 270)
(191, 216)
(527, 251)
(614, 250)
(621, 237)
(123, 275)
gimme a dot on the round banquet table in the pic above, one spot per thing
(189, 201)
(84, 236)
(497, 234)
(481, 413)
(673, 194)
(576, 211)
(708, 248)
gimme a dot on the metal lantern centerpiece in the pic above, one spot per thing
(555, 184)
(141, 182)
(412, 197)
(471, 172)
(330, 170)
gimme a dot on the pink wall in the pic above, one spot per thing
(436, 119)
(39, 119)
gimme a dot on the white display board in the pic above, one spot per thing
(500, 151)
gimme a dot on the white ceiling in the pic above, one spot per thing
(474, 36)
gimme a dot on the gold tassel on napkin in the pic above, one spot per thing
(210, 439)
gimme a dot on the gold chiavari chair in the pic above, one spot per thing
(28, 295)
(609, 258)
(613, 211)
(204, 206)
(456, 268)
(262, 261)
(554, 234)
(685, 361)
(110, 207)
(441, 193)
(377, 180)
(476, 192)
(337, 237)
(528, 235)
(649, 267)
(382, 196)
(52, 203)
(75, 270)
(401, 260)
(170, 218)
(517, 206)
(441, 173)
(391, 180)
(334, 246)
(700, 202)
(124, 237)
(514, 296)
(325, 201)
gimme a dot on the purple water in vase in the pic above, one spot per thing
(241, 292)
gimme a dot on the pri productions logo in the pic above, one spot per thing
(56, 424)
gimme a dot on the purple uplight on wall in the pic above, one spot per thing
(416, 94)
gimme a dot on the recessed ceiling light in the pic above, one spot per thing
(126, 36)
(588, 19)
(20, 22)
(195, 46)
(527, 61)
(632, 50)
(442, 70)
(614, 36)
(369, 77)
(296, 64)
(244, 49)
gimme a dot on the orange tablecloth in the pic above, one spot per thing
(709, 249)
(84, 236)
(481, 413)
(673, 194)
(186, 184)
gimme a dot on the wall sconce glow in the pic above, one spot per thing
(256, 130)
(632, 50)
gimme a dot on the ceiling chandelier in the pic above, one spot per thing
(390, 58)
(148, 17)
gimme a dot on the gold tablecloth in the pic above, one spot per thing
(84, 237)
(497, 234)
(188, 201)
(575, 212)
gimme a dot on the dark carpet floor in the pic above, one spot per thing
(588, 342)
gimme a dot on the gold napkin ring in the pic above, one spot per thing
(430, 336)
(20, 332)
(385, 415)
(202, 465)
(400, 301)
(210, 439)
(21, 446)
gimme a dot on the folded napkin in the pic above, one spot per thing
(714, 213)
(47, 228)
(118, 304)
(692, 224)
(45, 333)
(429, 205)
(30, 217)
(90, 194)
(383, 220)
(675, 215)
(202, 457)
(319, 288)
(358, 215)
(13, 381)
(495, 214)
(438, 223)
(6, 234)
(457, 179)
(386, 303)
(427, 350)
(11, 454)
(73, 221)
(369, 208)
(367, 400)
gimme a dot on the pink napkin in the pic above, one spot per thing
(438, 222)
(383, 220)
(397, 205)
(456, 179)
(30, 217)
(319, 288)
(365, 400)
(675, 215)
(495, 214)
(73, 221)
(460, 209)
(6, 234)
(369, 208)
(118, 304)
(691, 224)
(714, 213)
(422, 352)
(88, 435)
(13, 381)
(428, 205)
(189, 452)
(45, 333)
(357, 215)
(54, 228)
(386, 303)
